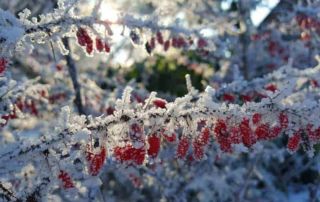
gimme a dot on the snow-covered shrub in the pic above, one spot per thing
(70, 133)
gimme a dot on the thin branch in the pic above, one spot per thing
(74, 77)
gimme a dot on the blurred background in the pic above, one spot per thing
(245, 40)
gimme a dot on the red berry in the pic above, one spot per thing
(235, 135)
(313, 135)
(99, 45)
(220, 128)
(181, 42)
(256, 118)
(198, 150)
(314, 83)
(246, 98)
(182, 148)
(262, 131)
(59, 67)
(160, 103)
(271, 87)
(33, 109)
(275, 132)
(248, 138)
(66, 180)
(222, 136)
(284, 120)
(170, 138)
(154, 145)
(200, 142)
(110, 110)
(159, 38)
(225, 144)
(294, 142)
(272, 48)
(88, 40)
(228, 97)
(88, 152)
(204, 137)
(84, 39)
(96, 162)
(190, 41)
(43, 93)
(174, 42)
(20, 104)
(82, 36)
(166, 45)
(153, 42)
(202, 43)
(255, 37)
(89, 48)
(13, 114)
(3, 65)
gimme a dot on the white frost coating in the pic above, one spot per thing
(216, 175)
(11, 32)
(189, 83)
(62, 48)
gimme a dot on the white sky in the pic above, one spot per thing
(258, 15)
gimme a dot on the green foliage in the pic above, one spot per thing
(165, 75)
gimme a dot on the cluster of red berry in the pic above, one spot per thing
(102, 46)
(26, 106)
(232, 98)
(84, 39)
(131, 154)
(313, 135)
(307, 23)
(176, 42)
(243, 133)
(273, 47)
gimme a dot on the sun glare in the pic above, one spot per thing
(108, 13)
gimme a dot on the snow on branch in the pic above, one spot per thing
(62, 22)
(138, 134)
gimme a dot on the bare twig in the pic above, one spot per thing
(74, 77)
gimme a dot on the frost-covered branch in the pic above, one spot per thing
(135, 133)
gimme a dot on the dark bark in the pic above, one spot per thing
(74, 77)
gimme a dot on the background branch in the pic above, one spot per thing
(74, 77)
